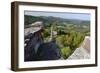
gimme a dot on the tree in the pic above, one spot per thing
(70, 42)
(74, 39)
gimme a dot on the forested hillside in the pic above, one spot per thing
(70, 32)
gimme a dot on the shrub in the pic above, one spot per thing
(65, 52)
(68, 43)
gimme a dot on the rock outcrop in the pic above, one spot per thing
(83, 52)
(34, 47)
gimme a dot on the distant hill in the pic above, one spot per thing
(50, 19)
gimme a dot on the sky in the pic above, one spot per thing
(65, 15)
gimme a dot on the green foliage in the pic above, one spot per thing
(61, 41)
(65, 52)
(70, 32)
(69, 42)
(74, 39)
(46, 33)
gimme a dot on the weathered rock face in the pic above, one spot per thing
(37, 50)
(48, 51)
(83, 52)
(80, 53)
(86, 44)
(31, 47)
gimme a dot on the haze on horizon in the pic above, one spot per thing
(65, 15)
